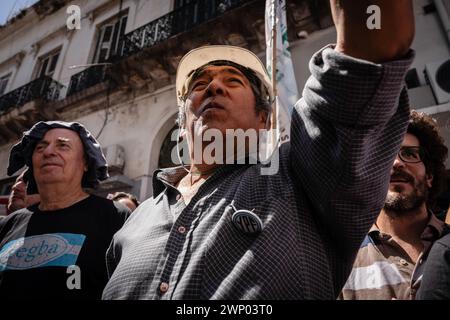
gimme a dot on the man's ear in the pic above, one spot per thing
(183, 132)
(264, 120)
(182, 121)
(429, 180)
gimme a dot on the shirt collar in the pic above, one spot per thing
(167, 177)
(171, 176)
(432, 231)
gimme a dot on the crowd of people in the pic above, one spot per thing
(347, 215)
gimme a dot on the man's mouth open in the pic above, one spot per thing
(210, 106)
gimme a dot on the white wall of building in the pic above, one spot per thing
(429, 43)
(134, 125)
(302, 51)
(137, 125)
(78, 46)
(4, 159)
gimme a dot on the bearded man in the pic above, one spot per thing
(391, 259)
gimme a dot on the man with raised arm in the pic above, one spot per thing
(227, 231)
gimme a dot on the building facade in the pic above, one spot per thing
(116, 73)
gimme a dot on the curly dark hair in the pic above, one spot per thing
(426, 130)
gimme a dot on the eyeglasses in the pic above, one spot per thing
(411, 154)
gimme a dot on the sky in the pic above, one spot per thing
(9, 7)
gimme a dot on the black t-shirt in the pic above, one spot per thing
(58, 254)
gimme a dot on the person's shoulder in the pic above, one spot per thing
(101, 205)
(445, 240)
(114, 206)
(100, 200)
(16, 218)
(109, 208)
(142, 212)
(21, 213)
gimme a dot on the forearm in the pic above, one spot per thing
(355, 39)
(345, 133)
(349, 92)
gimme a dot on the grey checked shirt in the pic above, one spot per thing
(331, 184)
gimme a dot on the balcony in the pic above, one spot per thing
(178, 21)
(44, 88)
(24, 106)
(87, 78)
(150, 55)
(175, 22)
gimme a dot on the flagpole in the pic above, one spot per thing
(282, 75)
(274, 67)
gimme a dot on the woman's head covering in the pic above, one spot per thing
(21, 153)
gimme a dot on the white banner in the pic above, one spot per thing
(286, 84)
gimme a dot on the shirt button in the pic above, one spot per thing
(163, 287)
(403, 262)
(181, 229)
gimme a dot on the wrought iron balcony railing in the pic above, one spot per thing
(177, 21)
(87, 78)
(45, 88)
